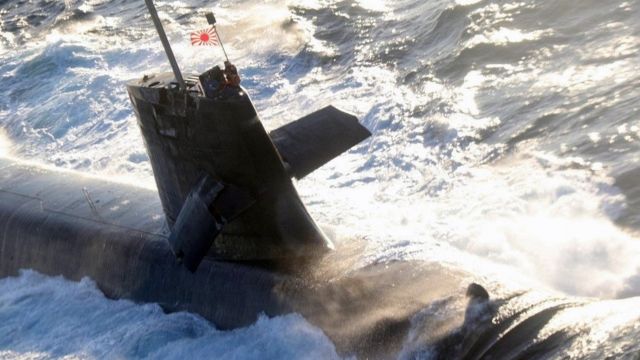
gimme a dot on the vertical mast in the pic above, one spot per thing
(211, 19)
(165, 43)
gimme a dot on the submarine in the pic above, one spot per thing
(226, 236)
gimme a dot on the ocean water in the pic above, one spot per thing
(506, 142)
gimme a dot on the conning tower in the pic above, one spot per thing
(224, 183)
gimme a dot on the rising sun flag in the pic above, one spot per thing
(205, 37)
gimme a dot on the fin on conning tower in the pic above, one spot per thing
(224, 187)
(315, 139)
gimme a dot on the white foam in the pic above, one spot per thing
(5, 143)
(49, 317)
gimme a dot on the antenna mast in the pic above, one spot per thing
(165, 44)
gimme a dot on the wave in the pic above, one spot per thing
(50, 318)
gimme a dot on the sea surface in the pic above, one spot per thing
(506, 142)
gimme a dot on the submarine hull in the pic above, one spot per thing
(66, 224)
(115, 234)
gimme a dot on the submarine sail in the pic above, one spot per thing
(224, 183)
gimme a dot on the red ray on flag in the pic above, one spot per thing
(207, 37)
